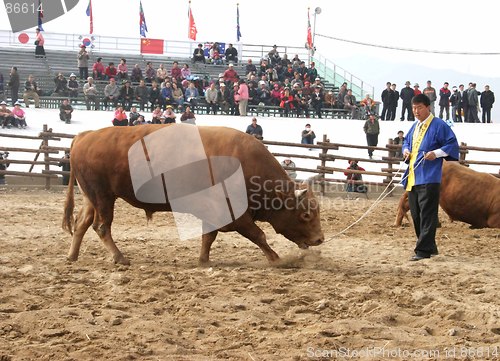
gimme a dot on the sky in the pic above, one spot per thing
(427, 24)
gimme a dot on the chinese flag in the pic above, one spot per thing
(151, 46)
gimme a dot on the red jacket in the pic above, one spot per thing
(110, 72)
(230, 75)
(285, 99)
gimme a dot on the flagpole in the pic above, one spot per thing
(310, 48)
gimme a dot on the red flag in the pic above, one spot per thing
(89, 13)
(151, 46)
(309, 36)
(192, 26)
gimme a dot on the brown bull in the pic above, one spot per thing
(466, 195)
(100, 163)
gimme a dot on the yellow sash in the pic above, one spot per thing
(416, 141)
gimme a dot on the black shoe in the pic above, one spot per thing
(434, 252)
(419, 257)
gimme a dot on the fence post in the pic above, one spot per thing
(45, 142)
(462, 154)
(324, 150)
(391, 154)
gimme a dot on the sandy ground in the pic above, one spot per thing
(355, 297)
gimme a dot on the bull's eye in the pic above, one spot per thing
(306, 216)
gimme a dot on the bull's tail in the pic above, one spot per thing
(403, 208)
(69, 204)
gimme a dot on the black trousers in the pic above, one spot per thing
(473, 117)
(424, 205)
(371, 140)
(486, 115)
(407, 107)
(459, 113)
(441, 111)
(385, 110)
(84, 72)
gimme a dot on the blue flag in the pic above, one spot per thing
(40, 15)
(238, 32)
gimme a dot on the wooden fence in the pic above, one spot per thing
(324, 172)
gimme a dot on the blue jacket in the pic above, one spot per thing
(166, 93)
(438, 136)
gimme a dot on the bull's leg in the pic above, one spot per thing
(82, 223)
(102, 226)
(206, 243)
(247, 228)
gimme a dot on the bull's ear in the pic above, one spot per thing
(300, 193)
(306, 216)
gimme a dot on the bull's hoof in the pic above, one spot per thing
(72, 258)
(203, 262)
(120, 259)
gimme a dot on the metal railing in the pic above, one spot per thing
(333, 73)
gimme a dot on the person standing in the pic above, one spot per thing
(461, 110)
(243, 97)
(14, 85)
(83, 62)
(487, 100)
(444, 101)
(454, 100)
(428, 142)
(406, 96)
(386, 101)
(372, 130)
(393, 104)
(39, 43)
(473, 104)
(431, 94)
(416, 90)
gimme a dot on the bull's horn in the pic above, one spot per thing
(300, 193)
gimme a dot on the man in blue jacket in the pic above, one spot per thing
(428, 142)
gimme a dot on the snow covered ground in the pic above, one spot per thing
(345, 131)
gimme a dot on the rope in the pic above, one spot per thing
(380, 198)
(446, 52)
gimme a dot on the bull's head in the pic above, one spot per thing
(299, 219)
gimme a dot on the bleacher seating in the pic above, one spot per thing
(45, 70)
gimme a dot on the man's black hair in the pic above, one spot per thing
(421, 99)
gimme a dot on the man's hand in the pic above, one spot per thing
(406, 154)
(430, 156)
